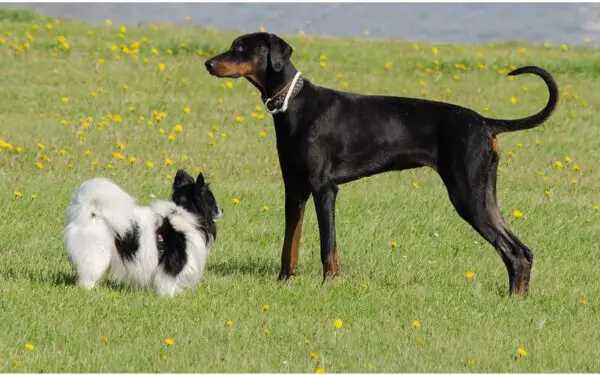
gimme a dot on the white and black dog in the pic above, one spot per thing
(164, 244)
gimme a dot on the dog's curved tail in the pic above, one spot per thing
(498, 126)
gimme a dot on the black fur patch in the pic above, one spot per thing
(172, 254)
(128, 244)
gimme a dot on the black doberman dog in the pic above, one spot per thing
(327, 137)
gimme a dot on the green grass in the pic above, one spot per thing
(381, 291)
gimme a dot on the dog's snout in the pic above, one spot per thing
(210, 65)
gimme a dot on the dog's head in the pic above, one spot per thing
(251, 56)
(195, 196)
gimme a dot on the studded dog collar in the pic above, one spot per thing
(278, 103)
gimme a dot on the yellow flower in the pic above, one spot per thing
(149, 164)
(416, 324)
(416, 185)
(388, 65)
(65, 99)
(163, 357)
(16, 362)
(168, 162)
(434, 50)
(393, 244)
(265, 208)
(19, 150)
(564, 47)
(169, 341)
(34, 196)
(573, 181)
(583, 300)
(470, 275)
(517, 214)
(568, 159)
(17, 194)
(339, 323)
(132, 159)
(548, 193)
(320, 370)
(265, 307)
(306, 341)
(239, 119)
(108, 22)
(235, 201)
(105, 339)
(39, 165)
(576, 168)
(522, 51)
(266, 331)
(172, 137)
(323, 64)
(162, 67)
(262, 134)
(522, 352)
(513, 100)
(558, 164)
(118, 155)
(314, 355)
(538, 142)
(29, 346)
(41, 146)
(88, 152)
(229, 323)
(418, 341)
(596, 207)
(471, 361)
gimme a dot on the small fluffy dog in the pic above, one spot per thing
(164, 244)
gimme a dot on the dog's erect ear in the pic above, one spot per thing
(200, 179)
(279, 52)
(182, 178)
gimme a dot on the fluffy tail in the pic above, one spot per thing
(102, 200)
(501, 126)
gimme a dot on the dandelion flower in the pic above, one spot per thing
(573, 181)
(168, 162)
(118, 156)
(266, 331)
(517, 214)
(416, 185)
(548, 193)
(229, 323)
(262, 134)
(583, 300)
(187, 109)
(416, 324)
(41, 146)
(471, 361)
(314, 355)
(235, 201)
(320, 370)
(538, 142)
(39, 165)
(576, 168)
(29, 346)
(229, 84)
(162, 67)
(105, 339)
(568, 159)
(172, 137)
(470, 275)
(149, 164)
(596, 207)
(393, 244)
(265, 208)
(169, 341)
(65, 99)
(163, 357)
(178, 128)
(558, 164)
(17, 194)
(513, 100)
(339, 323)
(239, 119)
(522, 352)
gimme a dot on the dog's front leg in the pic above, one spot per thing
(325, 206)
(295, 201)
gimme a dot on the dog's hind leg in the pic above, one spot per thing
(470, 178)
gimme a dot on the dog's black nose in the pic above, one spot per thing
(210, 65)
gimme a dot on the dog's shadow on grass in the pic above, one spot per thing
(253, 266)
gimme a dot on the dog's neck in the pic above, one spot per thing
(273, 82)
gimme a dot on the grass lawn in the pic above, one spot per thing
(419, 289)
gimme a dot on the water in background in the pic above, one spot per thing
(557, 23)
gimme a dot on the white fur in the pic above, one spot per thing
(101, 210)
